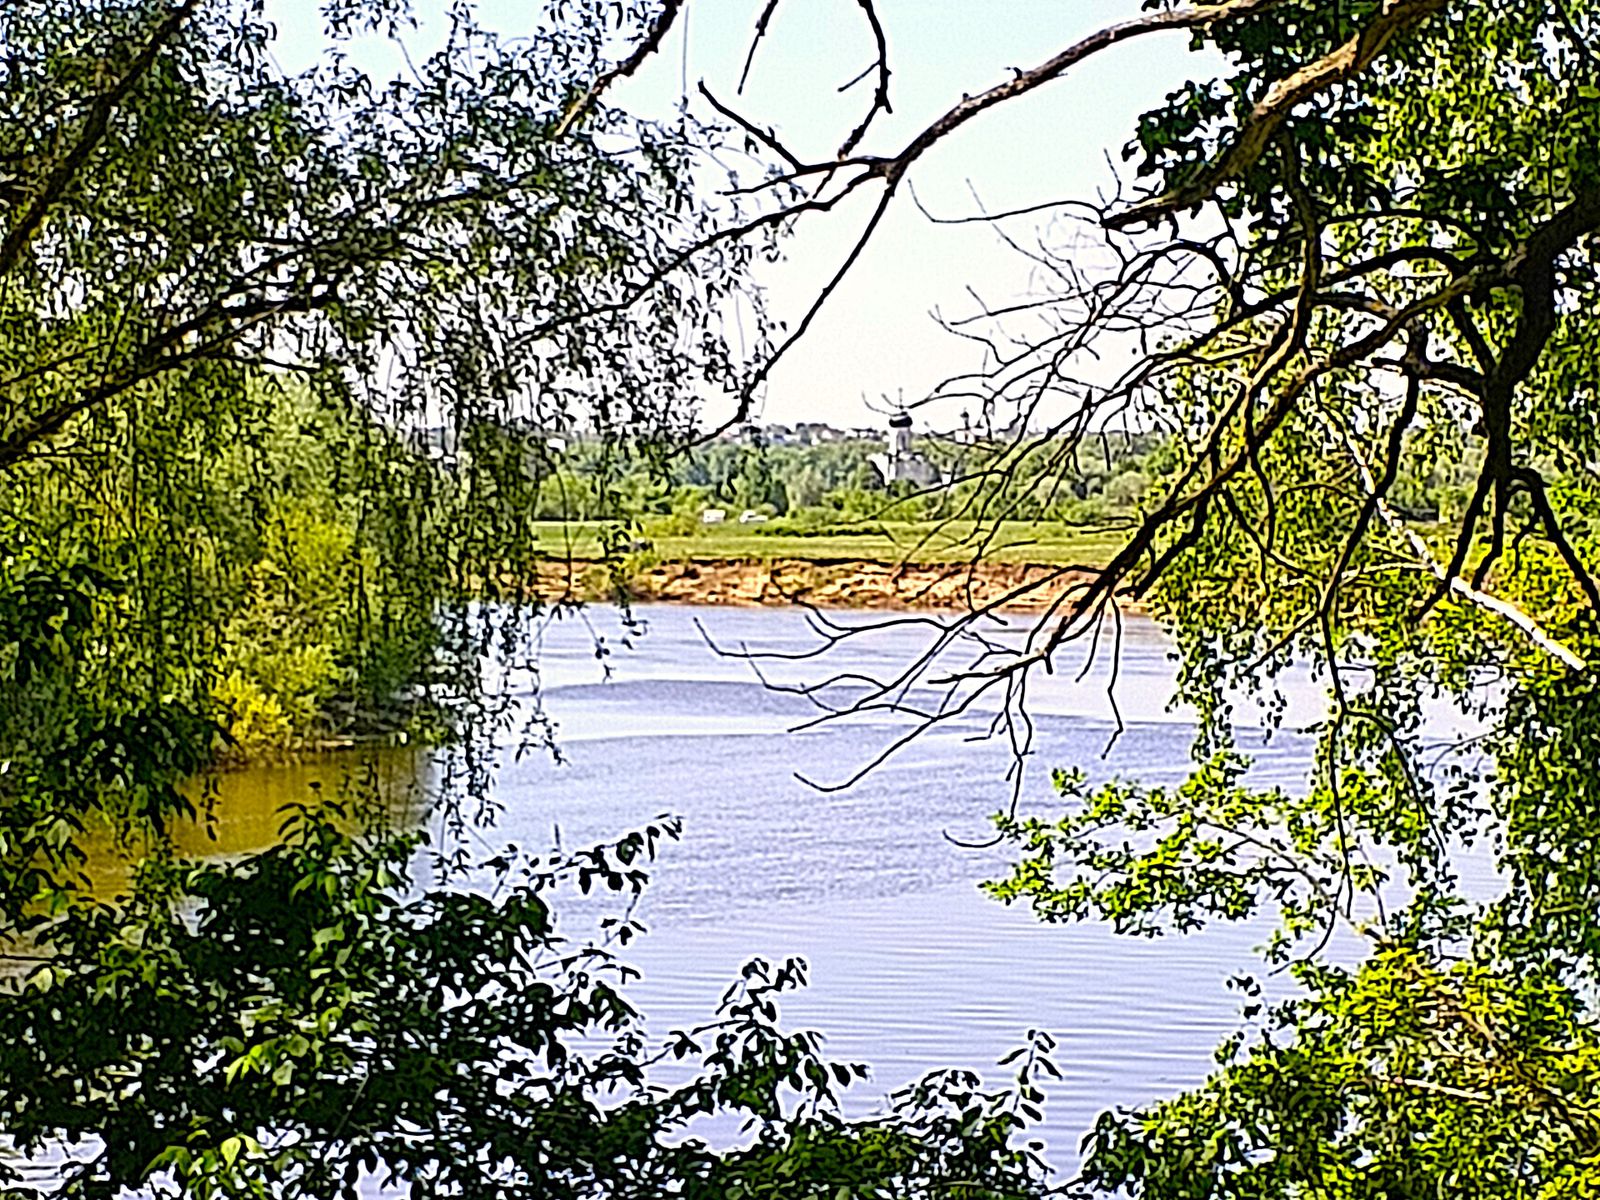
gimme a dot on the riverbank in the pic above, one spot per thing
(824, 582)
(1019, 543)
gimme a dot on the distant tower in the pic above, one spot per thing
(899, 462)
(899, 436)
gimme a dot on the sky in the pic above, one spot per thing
(877, 344)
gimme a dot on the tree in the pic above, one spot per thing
(234, 309)
(185, 234)
(1368, 247)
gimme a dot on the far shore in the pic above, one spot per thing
(837, 583)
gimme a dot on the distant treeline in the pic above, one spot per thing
(1106, 478)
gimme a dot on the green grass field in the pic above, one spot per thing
(929, 542)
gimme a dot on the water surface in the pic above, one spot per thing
(912, 967)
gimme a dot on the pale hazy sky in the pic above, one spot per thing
(876, 339)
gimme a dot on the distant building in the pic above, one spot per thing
(900, 463)
(987, 433)
(713, 516)
(744, 433)
(816, 433)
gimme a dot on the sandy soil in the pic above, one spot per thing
(828, 583)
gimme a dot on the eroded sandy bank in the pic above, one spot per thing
(827, 583)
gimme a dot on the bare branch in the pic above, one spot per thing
(747, 396)
(766, 137)
(761, 32)
(880, 95)
(1057, 65)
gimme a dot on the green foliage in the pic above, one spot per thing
(253, 576)
(1400, 325)
(1149, 860)
(281, 358)
(1394, 344)
(1389, 1078)
(315, 1021)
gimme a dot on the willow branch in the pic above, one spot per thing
(90, 136)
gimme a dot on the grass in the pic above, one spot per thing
(899, 541)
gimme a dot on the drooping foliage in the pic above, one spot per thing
(279, 354)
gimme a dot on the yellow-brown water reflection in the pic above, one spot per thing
(239, 811)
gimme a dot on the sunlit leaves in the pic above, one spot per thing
(1409, 526)
(314, 1022)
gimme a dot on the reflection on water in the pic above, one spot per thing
(238, 811)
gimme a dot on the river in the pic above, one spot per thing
(911, 967)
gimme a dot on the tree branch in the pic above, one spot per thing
(151, 362)
(1350, 59)
(880, 95)
(1057, 65)
(651, 43)
(94, 129)
(1530, 269)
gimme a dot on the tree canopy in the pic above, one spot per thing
(1365, 248)
(238, 310)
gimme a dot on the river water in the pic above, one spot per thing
(912, 968)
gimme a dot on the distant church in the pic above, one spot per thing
(900, 462)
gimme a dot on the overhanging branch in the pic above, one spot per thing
(1350, 59)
